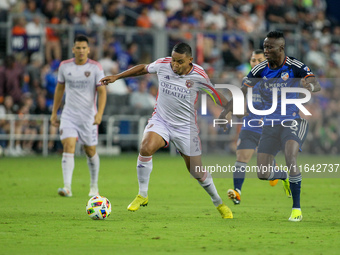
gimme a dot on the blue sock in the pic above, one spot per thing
(295, 187)
(239, 174)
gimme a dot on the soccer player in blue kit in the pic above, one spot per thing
(280, 71)
(249, 138)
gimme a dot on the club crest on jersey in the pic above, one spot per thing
(189, 84)
(306, 68)
(284, 76)
(87, 73)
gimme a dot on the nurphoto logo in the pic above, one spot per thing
(238, 103)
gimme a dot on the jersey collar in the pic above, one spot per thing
(284, 62)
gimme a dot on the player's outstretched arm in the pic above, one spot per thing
(58, 96)
(217, 98)
(229, 108)
(101, 105)
(134, 71)
(311, 83)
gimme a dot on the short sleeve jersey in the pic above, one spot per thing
(177, 94)
(81, 83)
(289, 74)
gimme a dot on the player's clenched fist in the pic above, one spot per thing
(54, 120)
(306, 85)
(108, 79)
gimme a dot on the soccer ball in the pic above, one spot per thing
(98, 208)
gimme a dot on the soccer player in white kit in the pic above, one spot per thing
(79, 78)
(174, 119)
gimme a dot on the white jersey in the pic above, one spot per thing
(177, 94)
(81, 83)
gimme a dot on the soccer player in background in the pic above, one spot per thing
(79, 78)
(249, 138)
(280, 71)
(174, 120)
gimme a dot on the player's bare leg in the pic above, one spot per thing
(264, 164)
(291, 152)
(93, 164)
(194, 166)
(267, 170)
(69, 146)
(151, 143)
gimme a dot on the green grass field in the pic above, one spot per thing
(180, 218)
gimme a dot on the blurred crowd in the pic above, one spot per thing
(28, 77)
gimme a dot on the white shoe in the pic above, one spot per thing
(93, 191)
(12, 152)
(64, 192)
(19, 150)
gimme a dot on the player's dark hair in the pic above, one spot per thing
(183, 48)
(81, 38)
(275, 34)
(258, 51)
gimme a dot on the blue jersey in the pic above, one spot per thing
(258, 104)
(289, 74)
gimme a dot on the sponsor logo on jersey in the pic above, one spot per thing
(87, 73)
(167, 77)
(284, 76)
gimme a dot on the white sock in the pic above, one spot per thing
(208, 184)
(67, 164)
(93, 164)
(144, 168)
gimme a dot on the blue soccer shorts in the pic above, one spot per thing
(274, 138)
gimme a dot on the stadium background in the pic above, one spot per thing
(37, 35)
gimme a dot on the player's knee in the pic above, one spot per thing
(290, 158)
(69, 147)
(90, 151)
(242, 158)
(146, 150)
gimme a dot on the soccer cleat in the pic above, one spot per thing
(296, 215)
(235, 196)
(138, 202)
(286, 187)
(93, 192)
(273, 182)
(225, 211)
(64, 192)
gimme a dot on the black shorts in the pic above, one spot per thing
(248, 140)
(273, 139)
